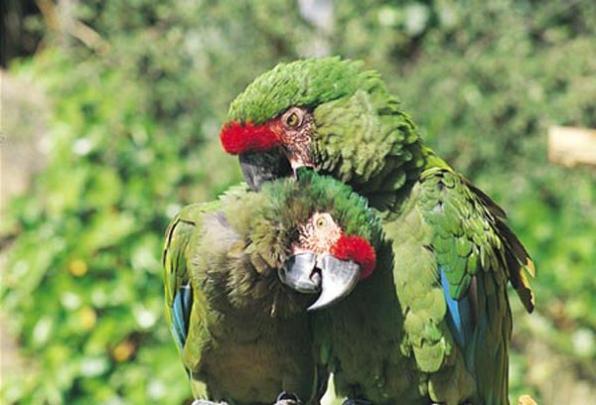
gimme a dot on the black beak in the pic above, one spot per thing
(334, 278)
(259, 167)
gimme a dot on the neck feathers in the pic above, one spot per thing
(365, 140)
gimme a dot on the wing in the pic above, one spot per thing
(470, 235)
(454, 255)
(178, 291)
(519, 265)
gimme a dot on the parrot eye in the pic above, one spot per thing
(320, 222)
(293, 118)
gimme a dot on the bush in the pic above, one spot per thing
(134, 137)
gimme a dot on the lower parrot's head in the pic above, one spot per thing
(326, 235)
(328, 114)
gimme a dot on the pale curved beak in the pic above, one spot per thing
(339, 277)
(308, 273)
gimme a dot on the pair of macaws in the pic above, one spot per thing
(342, 199)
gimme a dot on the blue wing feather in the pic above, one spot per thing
(181, 314)
(460, 313)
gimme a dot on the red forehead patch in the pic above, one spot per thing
(239, 138)
(358, 250)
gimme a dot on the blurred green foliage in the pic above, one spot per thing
(133, 136)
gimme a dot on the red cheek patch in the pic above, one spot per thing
(358, 250)
(239, 138)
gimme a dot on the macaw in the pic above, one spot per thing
(239, 274)
(433, 324)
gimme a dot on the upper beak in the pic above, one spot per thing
(339, 277)
(307, 273)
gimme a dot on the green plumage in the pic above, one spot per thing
(433, 322)
(306, 84)
(248, 337)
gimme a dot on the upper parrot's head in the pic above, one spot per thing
(322, 233)
(328, 114)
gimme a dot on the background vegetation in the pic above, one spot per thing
(134, 94)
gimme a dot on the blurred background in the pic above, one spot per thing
(110, 116)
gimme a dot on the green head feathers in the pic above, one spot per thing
(296, 200)
(358, 127)
(273, 214)
(305, 83)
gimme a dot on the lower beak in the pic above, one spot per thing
(334, 278)
(260, 167)
(299, 273)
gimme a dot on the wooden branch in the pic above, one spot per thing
(48, 11)
(569, 146)
(76, 28)
(89, 37)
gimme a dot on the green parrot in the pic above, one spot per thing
(239, 274)
(433, 324)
